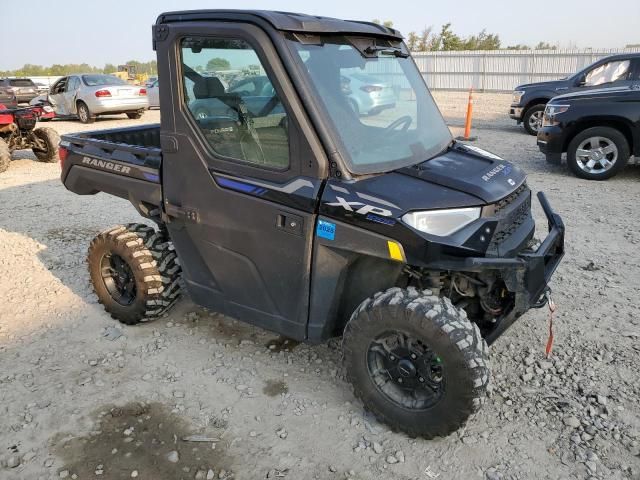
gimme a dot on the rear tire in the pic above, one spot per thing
(51, 140)
(607, 138)
(5, 156)
(429, 388)
(84, 114)
(135, 272)
(134, 115)
(532, 118)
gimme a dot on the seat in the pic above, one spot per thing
(208, 87)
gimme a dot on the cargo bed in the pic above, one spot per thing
(124, 162)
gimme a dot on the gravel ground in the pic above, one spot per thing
(197, 395)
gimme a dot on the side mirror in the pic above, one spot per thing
(582, 81)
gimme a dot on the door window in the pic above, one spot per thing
(229, 94)
(607, 73)
(59, 86)
(73, 84)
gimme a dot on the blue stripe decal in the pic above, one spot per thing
(382, 220)
(153, 177)
(238, 186)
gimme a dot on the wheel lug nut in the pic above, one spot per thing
(421, 379)
(413, 355)
(399, 380)
(391, 357)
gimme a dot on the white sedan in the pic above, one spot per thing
(90, 95)
(153, 95)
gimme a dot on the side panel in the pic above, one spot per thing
(349, 265)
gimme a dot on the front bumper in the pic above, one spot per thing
(526, 275)
(515, 112)
(551, 141)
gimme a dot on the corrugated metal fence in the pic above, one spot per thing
(501, 70)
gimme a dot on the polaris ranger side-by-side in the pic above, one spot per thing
(284, 207)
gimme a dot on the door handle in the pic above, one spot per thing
(289, 223)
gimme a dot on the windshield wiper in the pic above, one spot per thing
(397, 52)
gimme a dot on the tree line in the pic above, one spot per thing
(58, 70)
(430, 40)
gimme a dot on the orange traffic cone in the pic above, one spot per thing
(467, 124)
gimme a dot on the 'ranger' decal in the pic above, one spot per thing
(106, 165)
(494, 171)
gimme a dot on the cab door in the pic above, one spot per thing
(240, 186)
(57, 96)
(71, 94)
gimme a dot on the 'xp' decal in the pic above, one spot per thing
(362, 208)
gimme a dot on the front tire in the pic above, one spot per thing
(598, 153)
(134, 115)
(416, 362)
(50, 141)
(5, 156)
(135, 272)
(532, 118)
(84, 114)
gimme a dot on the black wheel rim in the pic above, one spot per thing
(406, 371)
(118, 279)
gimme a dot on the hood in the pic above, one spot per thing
(464, 176)
(544, 85)
(597, 93)
(471, 170)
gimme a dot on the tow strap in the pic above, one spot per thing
(552, 309)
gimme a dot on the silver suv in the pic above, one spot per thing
(23, 88)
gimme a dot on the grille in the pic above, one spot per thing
(506, 201)
(511, 212)
(25, 120)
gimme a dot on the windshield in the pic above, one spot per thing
(97, 80)
(381, 111)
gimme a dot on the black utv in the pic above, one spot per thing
(286, 208)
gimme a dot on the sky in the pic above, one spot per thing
(114, 31)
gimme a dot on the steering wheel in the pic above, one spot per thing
(404, 122)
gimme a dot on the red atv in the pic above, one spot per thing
(18, 132)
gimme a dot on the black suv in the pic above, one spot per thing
(599, 130)
(529, 100)
(23, 88)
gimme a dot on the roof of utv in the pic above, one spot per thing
(285, 21)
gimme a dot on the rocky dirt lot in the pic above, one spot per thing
(195, 395)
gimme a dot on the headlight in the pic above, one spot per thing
(550, 113)
(441, 222)
(517, 95)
